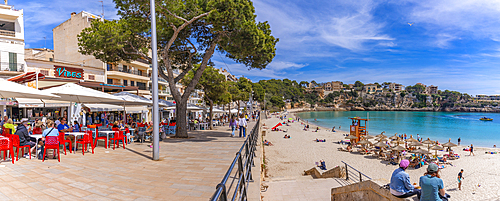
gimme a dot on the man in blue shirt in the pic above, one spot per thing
(63, 127)
(401, 186)
(432, 185)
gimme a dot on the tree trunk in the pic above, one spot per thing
(211, 114)
(181, 121)
(230, 115)
(238, 112)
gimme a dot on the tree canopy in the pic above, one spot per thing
(189, 32)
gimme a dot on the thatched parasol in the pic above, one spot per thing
(420, 151)
(364, 142)
(398, 148)
(380, 144)
(382, 139)
(351, 137)
(394, 137)
(436, 148)
(415, 143)
(411, 139)
(449, 144)
(367, 136)
(381, 135)
(428, 142)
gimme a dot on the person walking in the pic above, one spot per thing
(232, 125)
(242, 123)
(459, 141)
(471, 150)
(460, 178)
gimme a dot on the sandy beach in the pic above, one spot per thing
(288, 159)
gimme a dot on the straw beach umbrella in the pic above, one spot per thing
(398, 148)
(364, 141)
(351, 137)
(420, 151)
(382, 139)
(380, 144)
(367, 136)
(381, 135)
(394, 137)
(449, 144)
(428, 142)
(415, 143)
(436, 148)
(411, 139)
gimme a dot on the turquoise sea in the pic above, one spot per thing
(435, 125)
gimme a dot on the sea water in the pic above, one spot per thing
(434, 125)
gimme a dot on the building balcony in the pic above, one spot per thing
(121, 69)
(11, 67)
(8, 33)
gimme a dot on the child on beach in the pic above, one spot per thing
(460, 178)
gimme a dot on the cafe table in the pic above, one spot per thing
(38, 137)
(76, 134)
(107, 135)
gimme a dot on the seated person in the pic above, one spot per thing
(400, 185)
(63, 127)
(432, 185)
(322, 165)
(268, 143)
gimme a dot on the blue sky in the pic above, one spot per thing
(452, 44)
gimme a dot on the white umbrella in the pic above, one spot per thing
(76, 93)
(189, 107)
(15, 90)
(216, 110)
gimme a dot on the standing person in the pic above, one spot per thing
(232, 125)
(471, 150)
(242, 123)
(432, 185)
(459, 141)
(460, 178)
(400, 185)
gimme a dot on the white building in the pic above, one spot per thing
(11, 41)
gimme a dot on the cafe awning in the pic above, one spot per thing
(26, 77)
(29, 103)
(103, 107)
(136, 109)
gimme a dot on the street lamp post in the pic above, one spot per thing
(154, 79)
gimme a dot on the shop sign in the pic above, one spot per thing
(68, 72)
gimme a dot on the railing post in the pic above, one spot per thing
(346, 173)
(224, 193)
(360, 179)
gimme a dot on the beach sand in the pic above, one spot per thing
(288, 159)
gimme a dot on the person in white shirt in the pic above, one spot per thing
(242, 123)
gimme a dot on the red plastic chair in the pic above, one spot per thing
(17, 144)
(87, 139)
(64, 141)
(52, 142)
(6, 131)
(37, 131)
(6, 145)
(105, 138)
(116, 139)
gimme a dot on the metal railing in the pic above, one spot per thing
(8, 33)
(354, 175)
(6, 66)
(237, 188)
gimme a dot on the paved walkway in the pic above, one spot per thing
(189, 169)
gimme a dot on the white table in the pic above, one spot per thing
(107, 135)
(75, 134)
(38, 137)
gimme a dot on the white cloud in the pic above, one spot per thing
(281, 65)
(344, 24)
(451, 19)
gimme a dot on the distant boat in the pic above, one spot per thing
(486, 119)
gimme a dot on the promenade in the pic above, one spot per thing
(188, 169)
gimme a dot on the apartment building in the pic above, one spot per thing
(396, 87)
(11, 41)
(431, 89)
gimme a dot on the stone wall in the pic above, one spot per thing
(366, 190)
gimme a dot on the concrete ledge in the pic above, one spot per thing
(366, 190)
(316, 172)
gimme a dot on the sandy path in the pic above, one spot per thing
(288, 158)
